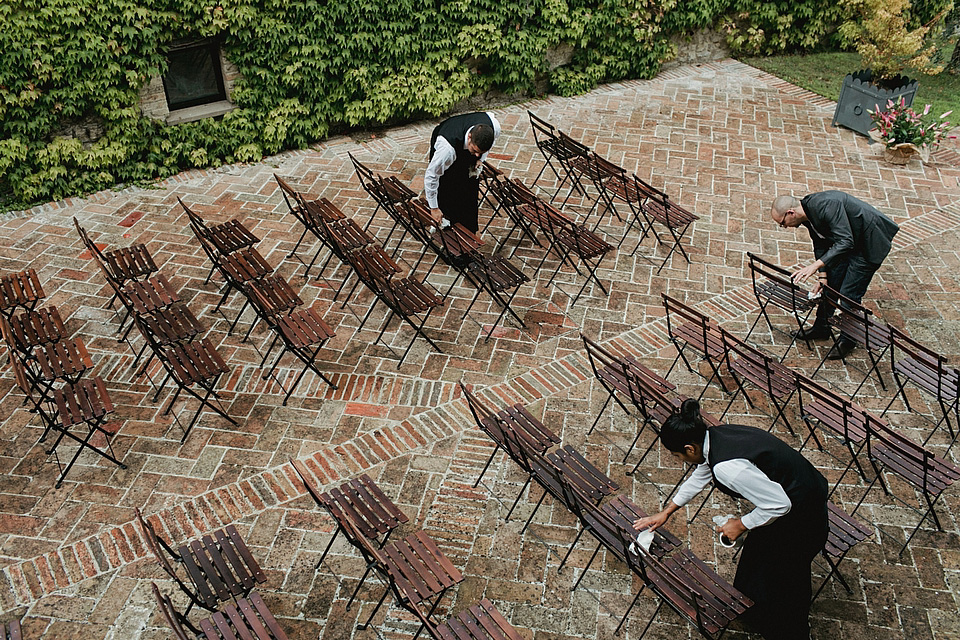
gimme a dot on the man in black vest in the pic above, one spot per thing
(850, 240)
(787, 528)
(452, 182)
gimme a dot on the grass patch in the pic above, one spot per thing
(823, 73)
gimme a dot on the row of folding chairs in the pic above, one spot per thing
(299, 330)
(455, 245)
(859, 430)
(910, 361)
(573, 243)
(49, 368)
(678, 578)
(414, 570)
(574, 164)
(170, 331)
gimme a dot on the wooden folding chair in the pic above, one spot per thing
(925, 472)
(339, 233)
(219, 566)
(501, 280)
(493, 423)
(656, 206)
(225, 238)
(519, 203)
(384, 191)
(575, 158)
(481, 621)
(32, 329)
(833, 413)
(845, 532)
(165, 327)
(747, 363)
(569, 240)
(406, 298)
(193, 364)
(456, 245)
(773, 285)
(119, 266)
(249, 619)
(928, 370)
(693, 590)
(359, 501)
(413, 568)
(687, 327)
(489, 175)
(547, 138)
(613, 186)
(306, 216)
(84, 404)
(20, 290)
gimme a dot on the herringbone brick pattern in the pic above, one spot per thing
(722, 138)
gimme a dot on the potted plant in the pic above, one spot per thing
(881, 34)
(904, 133)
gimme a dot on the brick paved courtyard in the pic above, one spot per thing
(722, 138)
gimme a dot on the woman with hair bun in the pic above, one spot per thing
(787, 527)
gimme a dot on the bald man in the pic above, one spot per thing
(850, 241)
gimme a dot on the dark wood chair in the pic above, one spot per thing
(359, 501)
(519, 203)
(833, 413)
(656, 206)
(248, 619)
(406, 298)
(501, 280)
(929, 371)
(930, 475)
(21, 290)
(491, 422)
(67, 411)
(306, 216)
(845, 532)
(576, 245)
(32, 329)
(575, 158)
(302, 333)
(165, 327)
(414, 569)
(489, 174)
(270, 296)
(224, 238)
(615, 186)
(385, 192)
(856, 323)
(548, 142)
(11, 630)
(481, 621)
(683, 582)
(455, 245)
(747, 363)
(773, 286)
(218, 566)
(687, 327)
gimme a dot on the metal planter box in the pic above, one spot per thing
(859, 94)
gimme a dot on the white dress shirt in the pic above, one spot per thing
(740, 475)
(444, 156)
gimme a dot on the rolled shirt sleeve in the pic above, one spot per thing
(693, 485)
(443, 158)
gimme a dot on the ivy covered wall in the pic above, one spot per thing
(310, 67)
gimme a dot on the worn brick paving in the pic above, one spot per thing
(723, 137)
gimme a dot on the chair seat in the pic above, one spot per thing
(479, 622)
(130, 263)
(409, 296)
(785, 297)
(925, 375)
(20, 290)
(34, 328)
(172, 324)
(497, 273)
(273, 296)
(64, 359)
(84, 402)
(146, 296)
(245, 265)
(693, 334)
(845, 531)
(909, 464)
(528, 428)
(230, 236)
(582, 474)
(250, 619)
(365, 504)
(768, 374)
(347, 235)
(850, 424)
(221, 566)
(304, 328)
(195, 362)
(668, 213)
(421, 570)
(582, 242)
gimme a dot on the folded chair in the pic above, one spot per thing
(613, 186)
(772, 285)
(747, 363)
(856, 323)
(845, 532)
(832, 413)
(219, 566)
(359, 501)
(687, 327)
(481, 621)
(555, 153)
(516, 419)
(20, 290)
(225, 237)
(928, 370)
(656, 206)
(925, 472)
(306, 216)
(248, 619)
(120, 266)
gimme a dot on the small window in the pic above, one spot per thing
(194, 76)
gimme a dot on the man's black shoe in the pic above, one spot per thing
(841, 350)
(812, 333)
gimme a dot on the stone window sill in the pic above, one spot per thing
(199, 112)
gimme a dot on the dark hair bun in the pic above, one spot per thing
(690, 410)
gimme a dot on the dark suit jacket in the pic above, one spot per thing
(840, 224)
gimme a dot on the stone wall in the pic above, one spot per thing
(702, 46)
(153, 99)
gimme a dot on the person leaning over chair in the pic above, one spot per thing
(787, 528)
(451, 184)
(850, 240)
